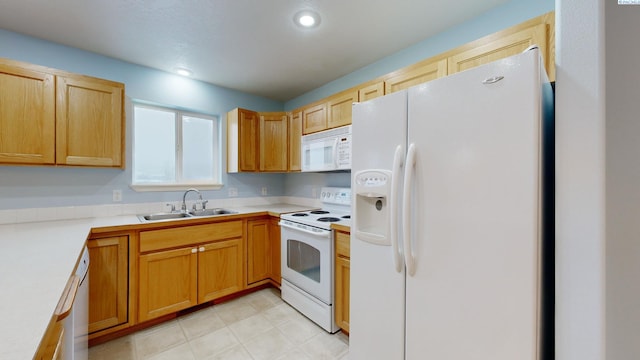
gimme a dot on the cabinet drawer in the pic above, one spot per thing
(343, 244)
(188, 235)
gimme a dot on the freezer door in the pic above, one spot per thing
(377, 280)
(474, 214)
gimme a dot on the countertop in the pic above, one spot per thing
(36, 261)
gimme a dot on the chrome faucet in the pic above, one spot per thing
(184, 196)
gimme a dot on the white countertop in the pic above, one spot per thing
(36, 261)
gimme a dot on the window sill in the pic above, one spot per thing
(174, 187)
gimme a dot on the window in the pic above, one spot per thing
(174, 149)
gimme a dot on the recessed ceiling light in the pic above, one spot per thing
(183, 72)
(307, 18)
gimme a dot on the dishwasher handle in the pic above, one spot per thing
(63, 309)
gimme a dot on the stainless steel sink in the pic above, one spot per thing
(163, 216)
(211, 212)
(179, 215)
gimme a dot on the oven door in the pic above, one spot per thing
(306, 259)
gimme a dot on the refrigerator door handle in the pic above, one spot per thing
(409, 170)
(393, 205)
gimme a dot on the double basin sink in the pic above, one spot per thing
(187, 215)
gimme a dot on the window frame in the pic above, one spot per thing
(179, 114)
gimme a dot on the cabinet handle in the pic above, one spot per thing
(194, 250)
(201, 249)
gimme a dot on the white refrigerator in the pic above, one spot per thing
(452, 218)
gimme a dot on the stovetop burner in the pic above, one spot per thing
(347, 217)
(319, 212)
(299, 214)
(328, 219)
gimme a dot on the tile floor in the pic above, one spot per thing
(254, 327)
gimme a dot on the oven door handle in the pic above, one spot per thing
(319, 233)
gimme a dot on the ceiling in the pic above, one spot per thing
(249, 45)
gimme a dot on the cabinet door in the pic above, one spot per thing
(342, 292)
(342, 279)
(314, 118)
(274, 248)
(273, 141)
(249, 139)
(90, 122)
(220, 270)
(414, 75)
(27, 115)
(258, 250)
(108, 282)
(371, 91)
(295, 141)
(339, 108)
(168, 282)
(488, 50)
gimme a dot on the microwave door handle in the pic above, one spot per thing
(335, 152)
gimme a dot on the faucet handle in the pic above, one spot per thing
(173, 207)
(204, 204)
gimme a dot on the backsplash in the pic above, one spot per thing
(13, 216)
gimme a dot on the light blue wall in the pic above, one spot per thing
(24, 187)
(501, 17)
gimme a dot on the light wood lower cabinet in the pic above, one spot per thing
(185, 266)
(275, 243)
(108, 282)
(220, 269)
(342, 278)
(168, 282)
(263, 251)
(258, 252)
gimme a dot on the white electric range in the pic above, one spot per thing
(308, 256)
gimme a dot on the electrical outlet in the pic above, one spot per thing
(117, 195)
(264, 190)
(233, 191)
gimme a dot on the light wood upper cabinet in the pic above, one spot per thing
(89, 122)
(243, 141)
(499, 46)
(52, 117)
(273, 141)
(339, 108)
(27, 115)
(108, 282)
(414, 75)
(295, 140)
(314, 118)
(371, 91)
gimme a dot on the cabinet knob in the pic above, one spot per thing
(194, 250)
(201, 249)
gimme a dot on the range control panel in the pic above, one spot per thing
(332, 195)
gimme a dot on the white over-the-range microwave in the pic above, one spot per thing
(328, 150)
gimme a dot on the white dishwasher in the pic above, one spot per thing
(76, 325)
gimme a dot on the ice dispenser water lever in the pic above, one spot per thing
(372, 213)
